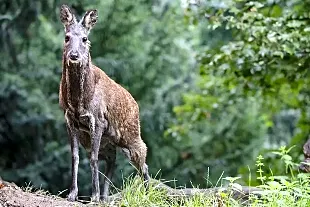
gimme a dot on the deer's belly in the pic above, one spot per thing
(106, 147)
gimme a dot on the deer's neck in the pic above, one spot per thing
(80, 82)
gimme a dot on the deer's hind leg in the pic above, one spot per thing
(109, 155)
(136, 153)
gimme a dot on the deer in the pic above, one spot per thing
(99, 113)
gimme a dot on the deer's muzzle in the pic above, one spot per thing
(74, 56)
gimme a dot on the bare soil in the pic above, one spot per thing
(13, 196)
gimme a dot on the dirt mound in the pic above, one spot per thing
(13, 196)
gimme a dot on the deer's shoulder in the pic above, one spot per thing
(112, 90)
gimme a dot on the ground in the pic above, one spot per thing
(13, 196)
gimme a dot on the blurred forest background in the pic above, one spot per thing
(217, 82)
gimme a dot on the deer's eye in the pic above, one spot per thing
(84, 39)
(67, 38)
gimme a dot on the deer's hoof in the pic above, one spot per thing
(104, 198)
(72, 196)
(95, 198)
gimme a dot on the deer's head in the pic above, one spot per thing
(76, 43)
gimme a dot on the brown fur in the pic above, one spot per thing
(116, 105)
(94, 103)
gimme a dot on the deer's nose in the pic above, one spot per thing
(74, 56)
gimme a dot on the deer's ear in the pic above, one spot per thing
(90, 19)
(66, 15)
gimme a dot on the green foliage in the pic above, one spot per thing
(268, 54)
(288, 189)
(259, 164)
(216, 133)
(248, 85)
(269, 51)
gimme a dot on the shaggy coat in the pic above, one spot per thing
(100, 114)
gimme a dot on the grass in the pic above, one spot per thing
(282, 193)
(134, 194)
(292, 189)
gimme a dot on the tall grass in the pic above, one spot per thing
(291, 189)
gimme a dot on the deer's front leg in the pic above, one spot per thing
(74, 142)
(96, 129)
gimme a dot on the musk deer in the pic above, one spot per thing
(99, 113)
